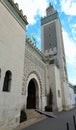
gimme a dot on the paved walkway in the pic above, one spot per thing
(56, 124)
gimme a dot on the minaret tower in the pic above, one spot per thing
(53, 48)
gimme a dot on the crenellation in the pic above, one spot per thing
(35, 47)
(21, 11)
(17, 5)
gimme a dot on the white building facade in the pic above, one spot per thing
(29, 78)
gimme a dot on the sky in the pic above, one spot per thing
(35, 9)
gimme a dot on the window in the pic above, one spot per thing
(7, 81)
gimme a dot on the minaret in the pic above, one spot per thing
(48, 29)
(53, 48)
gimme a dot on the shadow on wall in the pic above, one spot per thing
(49, 101)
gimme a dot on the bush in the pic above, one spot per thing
(48, 108)
(23, 116)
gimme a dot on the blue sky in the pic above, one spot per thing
(35, 9)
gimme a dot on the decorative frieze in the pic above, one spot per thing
(33, 64)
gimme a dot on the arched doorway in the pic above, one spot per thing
(31, 99)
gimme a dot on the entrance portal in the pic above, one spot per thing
(31, 99)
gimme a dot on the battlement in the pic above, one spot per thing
(33, 45)
(51, 52)
(15, 11)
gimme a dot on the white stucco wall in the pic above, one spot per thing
(12, 42)
(12, 45)
(58, 89)
(55, 85)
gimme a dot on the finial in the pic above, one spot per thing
(50, 4)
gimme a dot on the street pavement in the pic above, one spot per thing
(58, 123)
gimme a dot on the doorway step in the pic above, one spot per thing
(32, 118)
(31, 113)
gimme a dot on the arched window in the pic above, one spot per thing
(7, 81)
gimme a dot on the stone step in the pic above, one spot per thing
(32, 114)
(31, 111)
(33, 118)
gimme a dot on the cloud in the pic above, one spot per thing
(70, 52)
(68, 7)
(32, 8)
(54, 2)
(74, 32)
(70, 48)
(73, 80)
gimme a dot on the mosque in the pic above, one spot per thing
(30, 78)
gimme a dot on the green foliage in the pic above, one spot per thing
(23, 116)
(48, 108)
(74, 89)
(74, 86)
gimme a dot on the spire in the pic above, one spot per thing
(50, 10)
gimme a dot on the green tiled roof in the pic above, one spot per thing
(49, 18)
